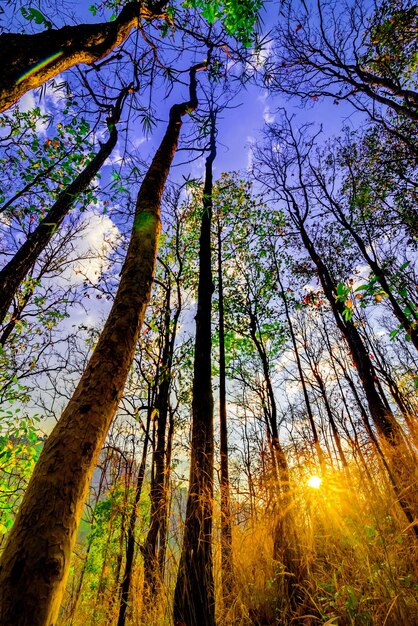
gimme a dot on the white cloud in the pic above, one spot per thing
(250, 155)
(262, 97)
(260, 56)
(56, 94)
(268, 116)
(91, 249)
(138, 141)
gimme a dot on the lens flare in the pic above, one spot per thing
(314, 482)
(40, 65)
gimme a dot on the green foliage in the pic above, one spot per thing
(43, 165)
(392, 45)
(20, 445)
(238, 18)
(34, 15)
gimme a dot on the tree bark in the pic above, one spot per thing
(14, 273)
(194, 599)
(28, 61)
(36, 558)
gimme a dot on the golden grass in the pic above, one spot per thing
(358, 563)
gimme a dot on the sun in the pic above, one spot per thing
(314, 482)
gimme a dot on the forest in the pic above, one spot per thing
(208, 313)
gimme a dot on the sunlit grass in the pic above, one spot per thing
(357, 560)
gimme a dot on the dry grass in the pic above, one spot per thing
(357, 558)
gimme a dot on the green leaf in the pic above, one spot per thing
(33, 15)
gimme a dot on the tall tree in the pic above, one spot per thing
(296, 195)
(130, 536)
(194, 599)
(36, 558)
(227, 564)
(153, 547)
(320, 53)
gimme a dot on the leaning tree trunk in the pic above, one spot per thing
(383, 418)
(14, 273)
(194, 600)
(36, 558)
(399, 311)
(28, 61)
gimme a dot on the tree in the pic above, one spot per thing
(352, 210)
(194, 601)
(277, 175)
(228, 576)
(171, 282)
(13, 274)
(36, 557)
(363, 54)
(30, 60)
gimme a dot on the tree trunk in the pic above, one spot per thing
(330, 416)
(130, 540)
(28, 61)
(379, 272)
(286, 549)
(162, 548)
(388, 428)
(194, 599)
(383, 418)
(227, 567)
(300, 371)
(76, 596)
(158, 494)
(14, 273)
(36, 558)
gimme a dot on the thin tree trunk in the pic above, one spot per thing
(271, 410)
(286, 548)
(130, 540)
(330, 416)
(194, 599)
(36, 558)
(383, 418)
(227, 564)
(388, 428)
(28, 61)
(75, 600)
(300, 370)
(158, 493)
(14, 273)
(162, 548)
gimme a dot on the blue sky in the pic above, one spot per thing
(238, 127)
